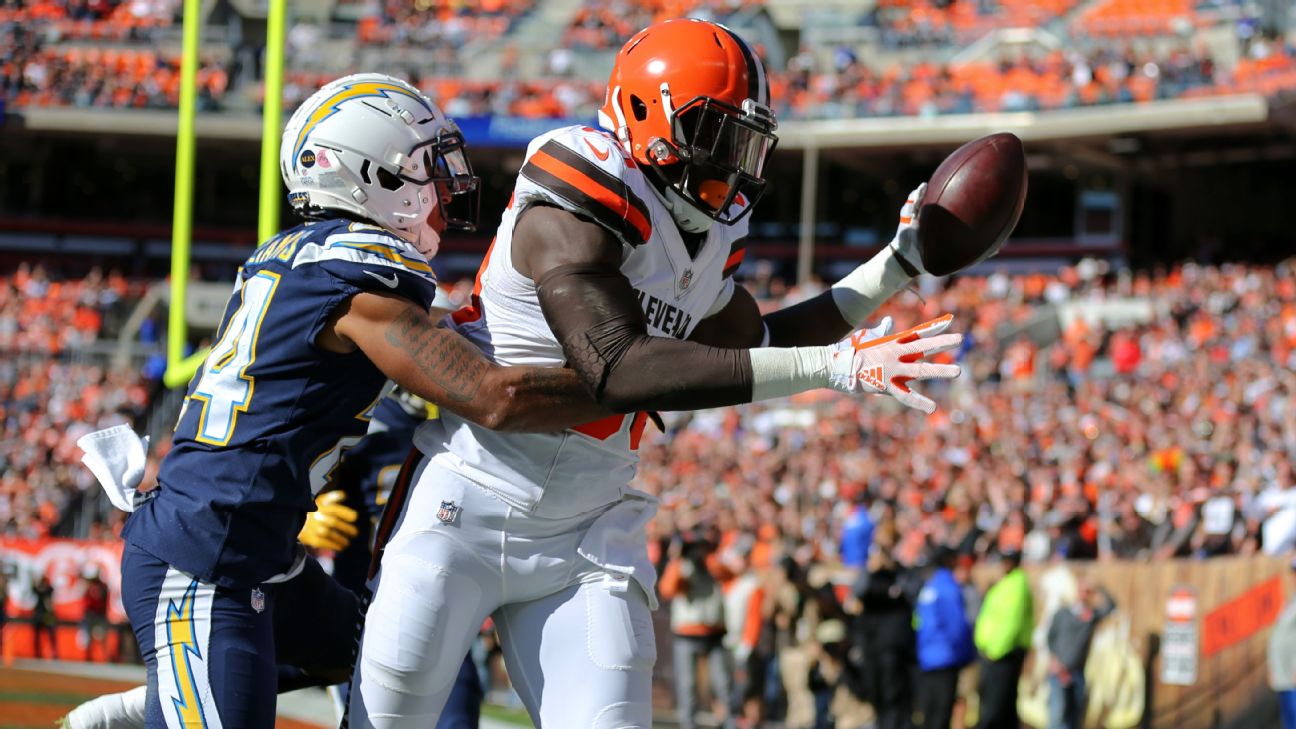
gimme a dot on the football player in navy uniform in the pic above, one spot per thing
(311, 653)
(321, 316)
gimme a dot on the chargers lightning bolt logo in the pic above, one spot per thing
(328, 107)
(183, 640)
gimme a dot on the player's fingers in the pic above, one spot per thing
(930, 328)
(338, 525)
(319, 538)
(861, 340)
(915, 400)
(335, 543)
(344, 513)
(910, 208)
(863, 337)
(329, 498)
(930, 345)
(929, 371)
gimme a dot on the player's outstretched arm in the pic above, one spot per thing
(850, 301)
(442, 367)
(595, 314)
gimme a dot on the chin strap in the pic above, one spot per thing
(688, 218)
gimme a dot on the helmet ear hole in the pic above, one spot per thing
(388, 180)
(638, 108)
(364, 172)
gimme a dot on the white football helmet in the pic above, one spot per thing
(373, 146)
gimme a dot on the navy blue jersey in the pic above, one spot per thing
(367, 473)
(267, 417)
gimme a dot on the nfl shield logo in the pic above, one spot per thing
(258, 599)
(687, 278)
(448, 511)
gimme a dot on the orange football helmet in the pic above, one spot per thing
(689, 99)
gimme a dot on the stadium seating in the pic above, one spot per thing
(909, 22)
(1136, 17)
(102, 57)
(455, 23)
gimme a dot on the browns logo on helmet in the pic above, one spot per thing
(690, 101)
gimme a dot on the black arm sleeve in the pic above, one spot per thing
(596, 317)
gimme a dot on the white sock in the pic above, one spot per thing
(114, 711)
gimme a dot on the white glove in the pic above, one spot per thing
(905, 242)
(885, 365)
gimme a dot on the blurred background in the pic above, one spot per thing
(1124, 429)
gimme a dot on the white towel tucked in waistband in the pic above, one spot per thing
(116, 456)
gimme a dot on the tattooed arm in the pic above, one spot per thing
(440, 366)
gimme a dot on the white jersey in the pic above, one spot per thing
(587, 172)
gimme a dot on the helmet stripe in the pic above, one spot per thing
(757, 85)
(329, 106)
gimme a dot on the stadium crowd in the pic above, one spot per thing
(52, 392)
(1170, 436)
(45, 61)
(440, 22)
(1167, 435)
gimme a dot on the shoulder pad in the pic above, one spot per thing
(369, 258)
(586, 171)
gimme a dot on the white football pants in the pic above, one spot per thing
(577, 639)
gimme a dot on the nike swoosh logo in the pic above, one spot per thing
(388, 282)
(602, 154)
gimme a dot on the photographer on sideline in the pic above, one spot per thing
(691, 581)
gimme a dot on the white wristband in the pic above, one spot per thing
(784, 371)
(863, 290)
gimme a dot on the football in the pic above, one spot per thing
(972, 203)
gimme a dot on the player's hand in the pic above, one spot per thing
(886, 365)
(905, 242)
(332, 525)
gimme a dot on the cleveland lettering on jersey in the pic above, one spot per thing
(663, 317)
(557, 474)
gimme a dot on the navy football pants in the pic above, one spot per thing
(211, 653)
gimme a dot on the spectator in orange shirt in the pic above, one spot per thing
(691, 582)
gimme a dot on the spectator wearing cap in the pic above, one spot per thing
(1070, 634)
(1282, 660)
(1002, 636)
(944, 639)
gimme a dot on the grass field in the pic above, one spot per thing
(32, 699)
(36, 696)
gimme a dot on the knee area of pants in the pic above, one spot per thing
(422, 614)
(624, 715)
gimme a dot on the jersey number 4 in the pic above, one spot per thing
(225, 388)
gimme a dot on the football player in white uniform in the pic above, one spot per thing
(618, 246)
